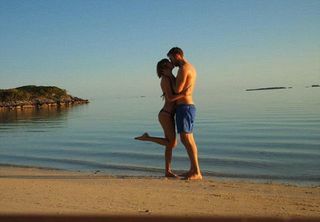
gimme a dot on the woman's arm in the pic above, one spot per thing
(166, 88)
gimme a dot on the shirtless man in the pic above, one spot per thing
(185, 111)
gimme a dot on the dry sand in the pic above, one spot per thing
(39, 191)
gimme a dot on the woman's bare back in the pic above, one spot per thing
(167, 90)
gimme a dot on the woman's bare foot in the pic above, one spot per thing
(143, 137)
(171, 175)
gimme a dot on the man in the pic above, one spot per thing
(185, 112)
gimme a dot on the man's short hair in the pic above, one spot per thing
(175, 51)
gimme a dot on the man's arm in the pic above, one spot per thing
(180, 81)
(169, 94)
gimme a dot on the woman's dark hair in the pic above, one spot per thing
(162, 64)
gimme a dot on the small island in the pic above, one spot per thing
(268, 88)
(36, 97)
(313, 86)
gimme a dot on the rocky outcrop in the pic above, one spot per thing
(37, 97)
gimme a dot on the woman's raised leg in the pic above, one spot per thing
(158, 140)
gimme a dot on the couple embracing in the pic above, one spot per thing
(178, 110)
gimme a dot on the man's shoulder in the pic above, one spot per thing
(188, 68)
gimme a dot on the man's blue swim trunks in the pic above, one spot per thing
(185, 115)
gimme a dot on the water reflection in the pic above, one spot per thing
(26, 115)
(31, 120)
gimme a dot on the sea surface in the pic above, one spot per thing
(270, 136)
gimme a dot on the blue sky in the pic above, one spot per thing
(96, 48)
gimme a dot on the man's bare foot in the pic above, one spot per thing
(143, 137)
(194, 177)
(169, 174)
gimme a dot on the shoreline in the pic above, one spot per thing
(159, 174)
(27, 190)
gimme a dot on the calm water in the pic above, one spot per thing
(262, 135)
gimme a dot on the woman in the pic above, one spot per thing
(166, 114)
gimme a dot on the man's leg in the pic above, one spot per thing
(191, 147)
(184, 141)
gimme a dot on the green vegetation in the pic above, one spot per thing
(30, 93)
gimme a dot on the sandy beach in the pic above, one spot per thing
(54, 192)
